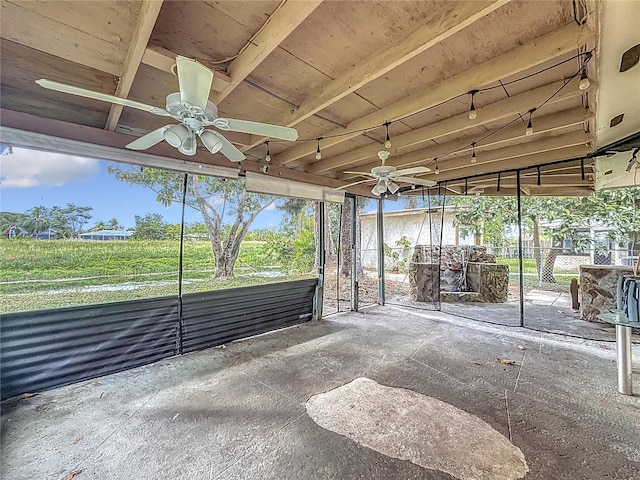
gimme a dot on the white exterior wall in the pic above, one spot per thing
(413, 224)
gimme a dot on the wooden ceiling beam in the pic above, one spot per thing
(519, 59)
(511, 163)
(289, 15)
(92, 135)
(165, 60)
(298, 176)
(463, 14)
(107, 138)
(149, 11)
(545, 124)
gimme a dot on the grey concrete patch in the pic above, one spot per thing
(428, 432)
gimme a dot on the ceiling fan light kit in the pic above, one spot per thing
(192, 108)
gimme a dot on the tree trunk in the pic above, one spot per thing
(345, 238)
(537, 252)
(224, 266)
(330, 250)
(550, 260)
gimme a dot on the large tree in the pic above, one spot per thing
(220, 202)
(68, 222)
(557, 218)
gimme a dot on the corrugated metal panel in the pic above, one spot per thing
(217, 317)
(50, 348)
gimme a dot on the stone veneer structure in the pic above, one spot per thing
(487, 281)
(598, 284)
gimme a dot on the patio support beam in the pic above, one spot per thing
(380, 244)
(149, 11)
(352, 250)
(509, 107)
(287, 17)
(459, 16)
(520, 262)
(318, 299)
(519, 59)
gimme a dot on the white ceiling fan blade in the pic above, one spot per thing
(195, 82)
(355, 183)
(148, 140)
(416, 181)
(411, 171)
(83, 92)
(228, 149)
(256, 128)
(367, 174)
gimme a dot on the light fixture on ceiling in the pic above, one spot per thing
(529, 130)
(176, 135)
(584, 79)
(211, 141)
(318, 154)
(188, 146)
(379, 188)
(267, 157)
(474, 159)
(437, 170)
(393, 187)
(387, 141)
(472, 109)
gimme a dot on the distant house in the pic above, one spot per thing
(413, 225)
(47, 234)
(14, 231)
(106, 235)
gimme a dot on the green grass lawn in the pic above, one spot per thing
(49, 274)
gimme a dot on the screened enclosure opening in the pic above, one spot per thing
(244, 238)
(85, 233)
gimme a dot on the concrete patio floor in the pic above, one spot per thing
(238, 412)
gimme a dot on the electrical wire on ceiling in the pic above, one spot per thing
(586, 55)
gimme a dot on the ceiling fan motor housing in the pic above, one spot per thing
(180, 111)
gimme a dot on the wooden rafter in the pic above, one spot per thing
(500, 110)
(505, 160)
(521, 58)
(549, 123)
(279, 26)
(149, 11)
(465, 14)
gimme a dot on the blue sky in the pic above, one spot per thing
(30, 178)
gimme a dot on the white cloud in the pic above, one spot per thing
(32, 168)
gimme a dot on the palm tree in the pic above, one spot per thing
(113, 225)
(98, 226)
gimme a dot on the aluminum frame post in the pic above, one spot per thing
(319, 296)
(624, 359)
(520, 261)
(354, 264)
(380, 230)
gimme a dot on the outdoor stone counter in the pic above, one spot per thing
(490, 280)
(487, 280)
(424, 282)
(598, 285)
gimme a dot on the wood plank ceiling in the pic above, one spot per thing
(335, 70)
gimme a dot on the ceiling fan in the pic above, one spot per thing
(192, 108)
(386, 176)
